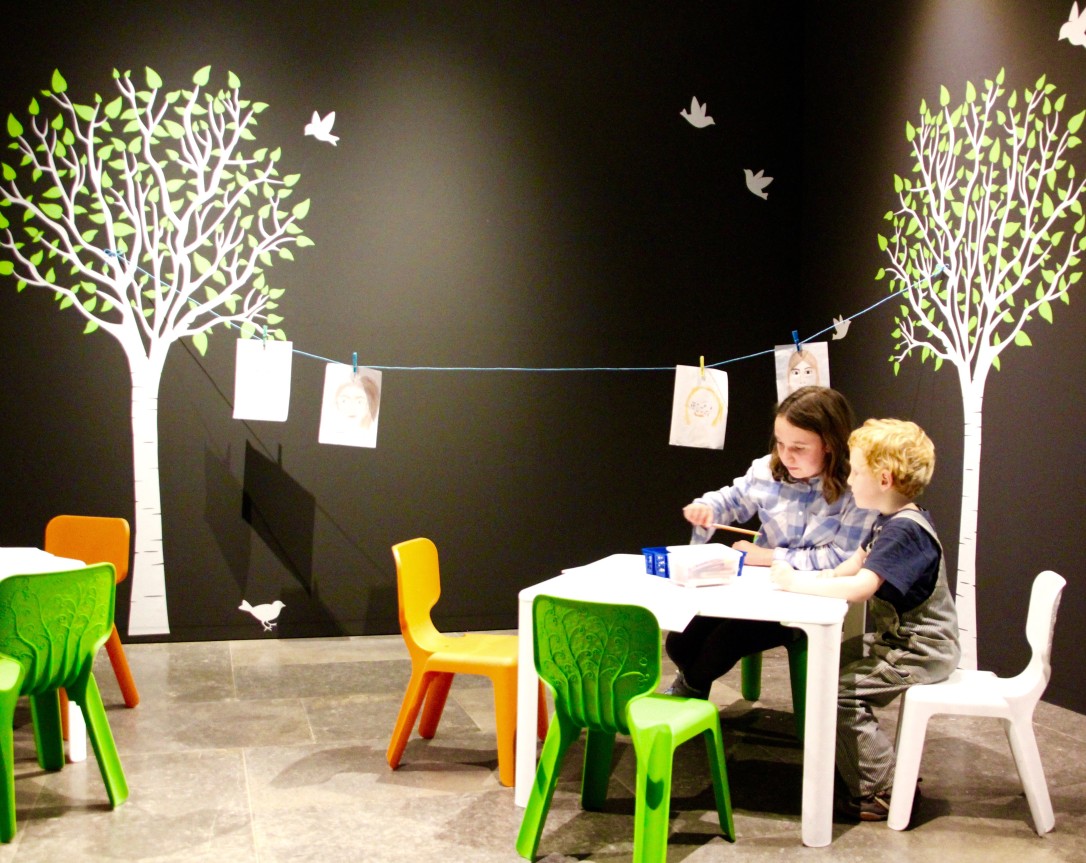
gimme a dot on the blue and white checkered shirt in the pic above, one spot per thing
(797, 522)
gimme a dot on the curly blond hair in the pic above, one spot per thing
(900, 447)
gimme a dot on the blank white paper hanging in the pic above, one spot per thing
(262, 380)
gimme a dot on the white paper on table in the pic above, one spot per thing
(699, 409)
(262, 380)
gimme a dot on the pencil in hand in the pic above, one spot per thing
(742, 530)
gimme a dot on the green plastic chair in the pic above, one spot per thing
(51, 627)
(750, 669)
(602, 663)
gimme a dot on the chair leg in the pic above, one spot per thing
(751, 671)
(7, 763)
(505, 718)
(45, 713)
(655, 750)
(101, 737)
(912, 725)
(559, 738)
(64, 729)
(797, 675)
(11, 676)
(436, 696)
(541, 720)
(1027, 758)
(714, 744)
(405, 721)
(119, 660)
(599, 749)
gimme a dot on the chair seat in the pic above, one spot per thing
(483, 650)
(965, 693)
(684, 717)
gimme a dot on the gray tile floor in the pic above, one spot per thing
(274, 750)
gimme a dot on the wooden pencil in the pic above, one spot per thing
(736, 529)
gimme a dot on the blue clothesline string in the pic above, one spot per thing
(354, 361)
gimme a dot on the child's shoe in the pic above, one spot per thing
(873, 807)
(682, 689)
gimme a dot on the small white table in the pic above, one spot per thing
(622, 578)
(33, 561)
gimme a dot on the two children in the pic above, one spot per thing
(900, 572)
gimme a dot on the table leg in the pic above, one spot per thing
(820, 731)
(527, 705)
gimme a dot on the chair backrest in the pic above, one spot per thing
(53, 623)
(90, 538)
(1044, 603)
(596, 657)
(418, 587)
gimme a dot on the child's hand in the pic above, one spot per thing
(756, 555)
(782, 574)
(698, 514)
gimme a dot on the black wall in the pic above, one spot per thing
(514, 186)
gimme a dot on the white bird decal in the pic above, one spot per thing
(696, 116)
(322, 129)
(841, 327)
(1074, 29)
(265, 613)
(757, 183)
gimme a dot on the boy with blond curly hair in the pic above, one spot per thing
(900, 572)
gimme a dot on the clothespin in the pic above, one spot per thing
(264, 337)
(701, 365)
(795, 338)
(354, 362)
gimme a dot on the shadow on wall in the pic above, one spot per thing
(281, 512)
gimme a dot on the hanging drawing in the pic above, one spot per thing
(352, 401)
(699, 409)
(802, 365)
(262, 380)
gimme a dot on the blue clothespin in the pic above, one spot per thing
(354, 362)
(795, 338)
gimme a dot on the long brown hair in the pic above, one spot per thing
(828, 414)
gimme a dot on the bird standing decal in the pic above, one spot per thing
(266, 613)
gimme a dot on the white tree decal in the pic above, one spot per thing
(146, 215)
(987, 237)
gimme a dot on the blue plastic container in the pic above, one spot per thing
(656, 560)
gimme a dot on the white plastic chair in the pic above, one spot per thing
(982, 693)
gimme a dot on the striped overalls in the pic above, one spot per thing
(919, 646)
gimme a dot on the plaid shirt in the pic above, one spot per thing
(797, 522)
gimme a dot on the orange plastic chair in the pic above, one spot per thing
(435, 658)
(95, 539)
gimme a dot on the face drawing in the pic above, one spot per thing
(703, 407)
(352, 403)
(802, 373)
